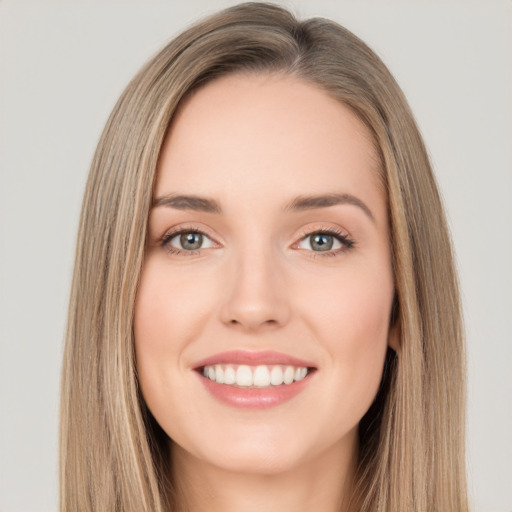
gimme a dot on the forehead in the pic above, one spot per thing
(270, 133)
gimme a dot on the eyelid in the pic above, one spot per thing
(335, 237)
(342, 236)
(177, 236)
(175, 231)
(189, 227)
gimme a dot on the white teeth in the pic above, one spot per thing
(244, 376)
(260, 376)
(229, 375)
(300, 373)
(219, 374)
(289, 373)
(276, 376)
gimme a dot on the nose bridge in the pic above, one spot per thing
(255, 295)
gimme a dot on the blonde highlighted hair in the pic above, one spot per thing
(113, 455)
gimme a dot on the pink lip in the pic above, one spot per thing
(253, 398)
(268, 357)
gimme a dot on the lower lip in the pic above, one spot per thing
(254, 398)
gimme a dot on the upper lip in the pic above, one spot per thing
(267, 357)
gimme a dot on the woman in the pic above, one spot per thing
(264, 310)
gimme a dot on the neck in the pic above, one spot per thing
(323, 483)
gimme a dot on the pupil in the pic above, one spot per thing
(191, 241)
(322, 242)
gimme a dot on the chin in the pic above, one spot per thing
(265, 450)
(257, 461)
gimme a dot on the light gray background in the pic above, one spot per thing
(63, 65)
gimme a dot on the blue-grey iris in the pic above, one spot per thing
(191, 241)
(322, 242)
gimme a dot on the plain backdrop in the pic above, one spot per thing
(63, 65)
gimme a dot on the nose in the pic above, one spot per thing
(255, 296)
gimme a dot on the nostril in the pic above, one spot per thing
(254, 301)
(253, 323)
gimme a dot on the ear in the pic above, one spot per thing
(394, 326)
(394, 335)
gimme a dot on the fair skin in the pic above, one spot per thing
(253, 267)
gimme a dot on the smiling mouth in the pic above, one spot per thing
(260, 376)
(254, 379)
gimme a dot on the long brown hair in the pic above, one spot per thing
(112, 453)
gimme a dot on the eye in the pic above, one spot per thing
(187, 241)
(325, 241)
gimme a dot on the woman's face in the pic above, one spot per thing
(268, 257)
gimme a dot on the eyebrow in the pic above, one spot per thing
(188, 202)
(300, 203)
(325, 200)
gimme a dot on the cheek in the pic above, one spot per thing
(172, 309)
(351, 320)
(168, 311)
(351, 307)
(163, 322)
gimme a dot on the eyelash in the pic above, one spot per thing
(346, 242)
(166, 241)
